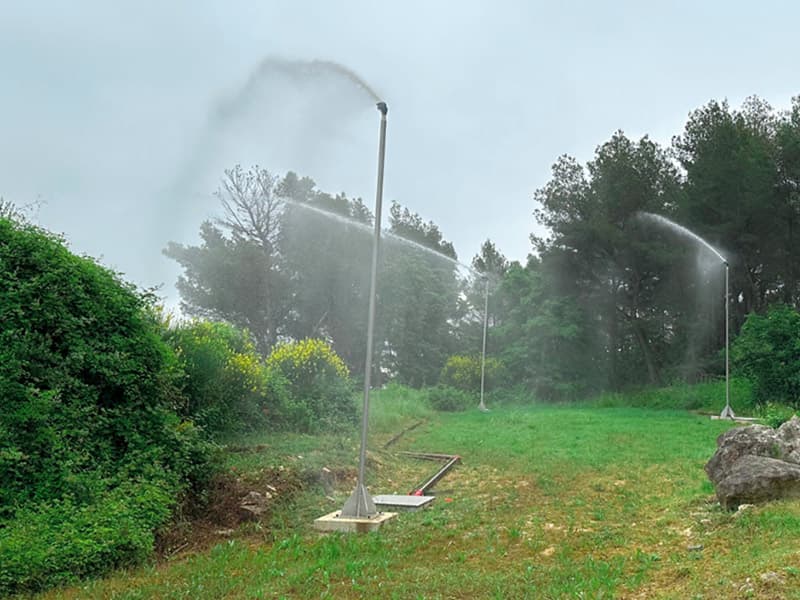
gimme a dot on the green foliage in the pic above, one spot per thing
(319, 390)
(63, 540)
(739, 195)
(226, 385)
(288, 261)
(463, 372)
(449, 399)
(768, 351)
(239, 277)
(644, 301)
(329, 259)
(397, 406)
(88, 389)
(418, 300)
(705, 397)
(547, 340)
(85, 380)
(608, 302)
(774, 414)
(600, 255)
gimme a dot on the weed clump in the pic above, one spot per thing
(449, 399)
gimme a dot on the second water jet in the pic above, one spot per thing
(727, 412)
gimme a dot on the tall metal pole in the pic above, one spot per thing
(482, 405)
(360, 503)
(727, 412)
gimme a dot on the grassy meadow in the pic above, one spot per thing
(549, 502)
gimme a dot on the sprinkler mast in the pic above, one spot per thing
(482, 405)
(727, 412)
(360, 504)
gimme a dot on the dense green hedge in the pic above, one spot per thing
(88, 392)
(61, 541)
(767, 351)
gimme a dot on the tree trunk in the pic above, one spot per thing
(652, 370)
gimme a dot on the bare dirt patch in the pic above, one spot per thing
(203, 522)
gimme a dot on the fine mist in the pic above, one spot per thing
(707, 284)
(314, 117)
(297, 71)
(291, 109)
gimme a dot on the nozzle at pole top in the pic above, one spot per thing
(382, 107)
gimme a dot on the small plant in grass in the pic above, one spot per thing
(320, 392)
(450, 399)
(774, 414)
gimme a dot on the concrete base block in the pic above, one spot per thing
(334, 522)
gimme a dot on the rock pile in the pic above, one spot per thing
(756, 464)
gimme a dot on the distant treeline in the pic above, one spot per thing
(606, 300)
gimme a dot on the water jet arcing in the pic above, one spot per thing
(299, 102)
(680, 229)
(727, 412)
(430, 251)
(298, 70)
(384, 232)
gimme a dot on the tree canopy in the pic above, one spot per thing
(607, 299)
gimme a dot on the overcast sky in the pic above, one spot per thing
(107, 110)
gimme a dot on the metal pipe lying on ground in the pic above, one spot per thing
(452, 459)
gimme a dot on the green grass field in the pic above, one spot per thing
(549, 502)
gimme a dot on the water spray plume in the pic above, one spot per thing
(298, 70)
(681, 230)
(727, 412)
(388, 234)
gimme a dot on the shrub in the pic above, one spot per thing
(768, 352)
(61, 541)
(226, 384)
(463, 372)
(88, 388)
(774, 414)
(319, 388)
(84, 375)
(450, 399)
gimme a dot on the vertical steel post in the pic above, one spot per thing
(727, 412)
(482, 405)
(360, 503)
